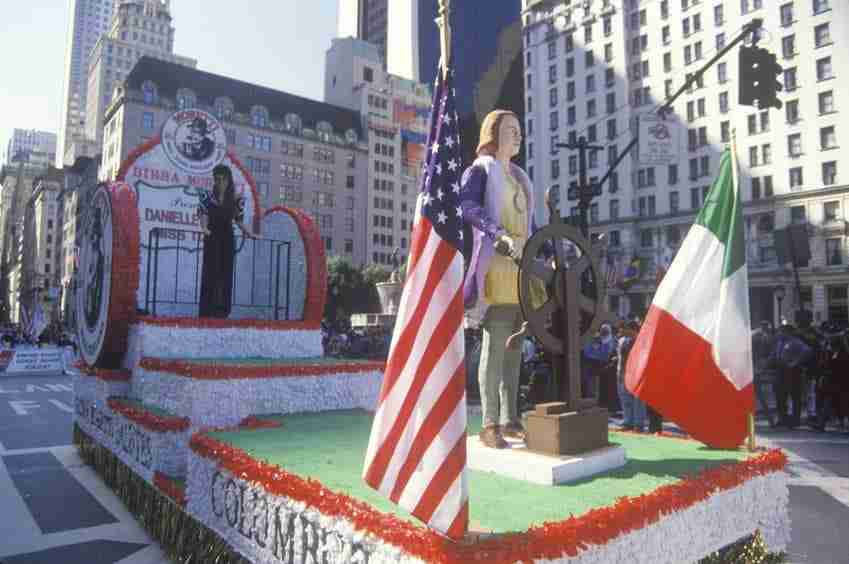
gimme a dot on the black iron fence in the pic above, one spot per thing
(261, 274)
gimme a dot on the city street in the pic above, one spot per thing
(55, 509)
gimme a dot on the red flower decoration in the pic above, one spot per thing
(106, 374)
(200, 371)
(549, 540)
(253, 422)
(150, 421)
(213, 323)
(170, 488)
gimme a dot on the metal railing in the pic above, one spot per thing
(186, 246)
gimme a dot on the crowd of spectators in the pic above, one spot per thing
(802, 374)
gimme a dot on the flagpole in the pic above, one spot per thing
(735, 172)
(443, 21)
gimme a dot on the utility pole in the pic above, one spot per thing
(585, 190)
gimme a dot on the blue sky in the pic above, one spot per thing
(275, 43)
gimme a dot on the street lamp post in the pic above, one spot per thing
(779, 295)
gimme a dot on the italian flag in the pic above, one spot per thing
(692, 360)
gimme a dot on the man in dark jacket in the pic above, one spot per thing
(790, 356)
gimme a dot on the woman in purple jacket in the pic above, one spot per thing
(497, 202)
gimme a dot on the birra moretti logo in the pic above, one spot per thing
(94, 284)
(194, 141)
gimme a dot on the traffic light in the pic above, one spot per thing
(758, 69)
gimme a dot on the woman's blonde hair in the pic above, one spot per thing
(488, 143)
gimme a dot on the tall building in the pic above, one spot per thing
(593, 68)
(395, 112)
(27, 216)
(486, 51)
(367, 20)
(25, 142)
(41, 249)
(139, 28)
(302, 153)
(88, 20)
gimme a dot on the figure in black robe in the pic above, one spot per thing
(219, 209)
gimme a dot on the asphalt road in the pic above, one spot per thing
(56, 510)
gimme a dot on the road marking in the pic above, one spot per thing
(62, 406)
(21, 406)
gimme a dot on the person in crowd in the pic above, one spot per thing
(832, 396)
(594, 358)
(633, 409)
(789, 357)
(496, 199)
(812, 367)
(763, 343)
(218, 211)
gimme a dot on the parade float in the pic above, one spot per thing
(235, 440)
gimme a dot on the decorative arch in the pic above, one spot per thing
(292, 123)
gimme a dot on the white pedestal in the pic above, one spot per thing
(521, 464)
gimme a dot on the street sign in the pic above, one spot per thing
(658, 140)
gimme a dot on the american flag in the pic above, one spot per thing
(417, 450)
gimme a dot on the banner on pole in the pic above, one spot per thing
(658, 141)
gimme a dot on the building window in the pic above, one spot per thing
(794, 145)
(791, 109)
(368, 74)
(767, 185)
(149, 94)
(788, 46)
(824, 69)
(646, 238)
(147, 121)
(723, 102)
(259, 116)
(223, 108)
(828, 139)
(833, 254)
(822, 35)
(725, 131)
(787, 14)
(821, 6)
(796, 177)
(829, 172)
(589, 59)
(826, 102)
(614, 209)
(185, 99)
(552, 49)
(831, 211)
(722, 73)
(291, 194)
(756, 188)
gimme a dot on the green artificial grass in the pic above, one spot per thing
(258, 361)
(330, 447)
